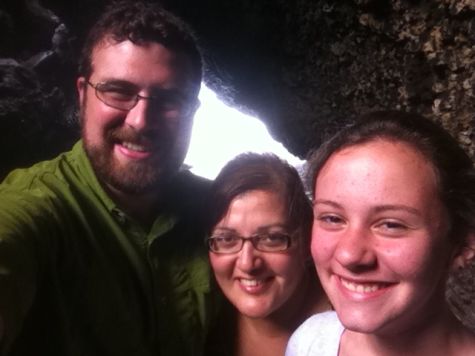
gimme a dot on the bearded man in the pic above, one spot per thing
(101, 252)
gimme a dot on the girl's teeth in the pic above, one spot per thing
(250, 282)
(360, 288)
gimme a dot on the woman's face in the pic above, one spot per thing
(379, 237)
(258, 283)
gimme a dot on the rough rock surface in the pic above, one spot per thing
(305, 67)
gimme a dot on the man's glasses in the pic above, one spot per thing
(125, 98)
(265, 242)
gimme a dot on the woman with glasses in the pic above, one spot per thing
(260, 221)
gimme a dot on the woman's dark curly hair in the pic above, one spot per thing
(253, 171)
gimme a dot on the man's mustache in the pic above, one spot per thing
(148, 138)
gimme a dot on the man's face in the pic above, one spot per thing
(135, 151)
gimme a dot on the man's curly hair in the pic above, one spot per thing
(139, 22)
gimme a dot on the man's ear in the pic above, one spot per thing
(80, 86)
(465, 253)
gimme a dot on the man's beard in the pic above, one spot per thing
(134, 177)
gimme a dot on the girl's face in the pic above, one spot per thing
(379, 237)
(259, 284)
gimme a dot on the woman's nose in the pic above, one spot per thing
(249, 258)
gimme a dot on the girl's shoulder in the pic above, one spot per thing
(318, 335)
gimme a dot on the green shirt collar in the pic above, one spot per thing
(162, 223)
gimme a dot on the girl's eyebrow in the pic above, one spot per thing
(403, 207)
(377, 209)
(327, 202)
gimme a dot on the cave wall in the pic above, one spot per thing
(305, 67)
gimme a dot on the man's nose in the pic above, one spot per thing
(142, 116)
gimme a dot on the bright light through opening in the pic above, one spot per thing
(220, 133)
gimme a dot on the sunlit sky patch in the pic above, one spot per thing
(220, 133)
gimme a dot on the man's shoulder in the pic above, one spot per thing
(45, 184)
(31, 178)
(54, 172)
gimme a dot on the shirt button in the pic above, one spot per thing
(119, 216)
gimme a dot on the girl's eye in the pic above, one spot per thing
(392, 227)
(330, 221)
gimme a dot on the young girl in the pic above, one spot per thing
(394, 212)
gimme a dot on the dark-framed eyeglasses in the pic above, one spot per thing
(125, 98)
(264, 242)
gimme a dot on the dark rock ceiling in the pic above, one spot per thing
(305, 67)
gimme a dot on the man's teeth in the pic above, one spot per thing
(134, 146)
(250, 282)
(361, 288)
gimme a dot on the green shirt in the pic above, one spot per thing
(79, 277)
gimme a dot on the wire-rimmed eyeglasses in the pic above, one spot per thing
(264, 242)
(125, 98)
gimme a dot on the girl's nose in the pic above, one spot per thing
(355, 250)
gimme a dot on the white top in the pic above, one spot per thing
(319, 335)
